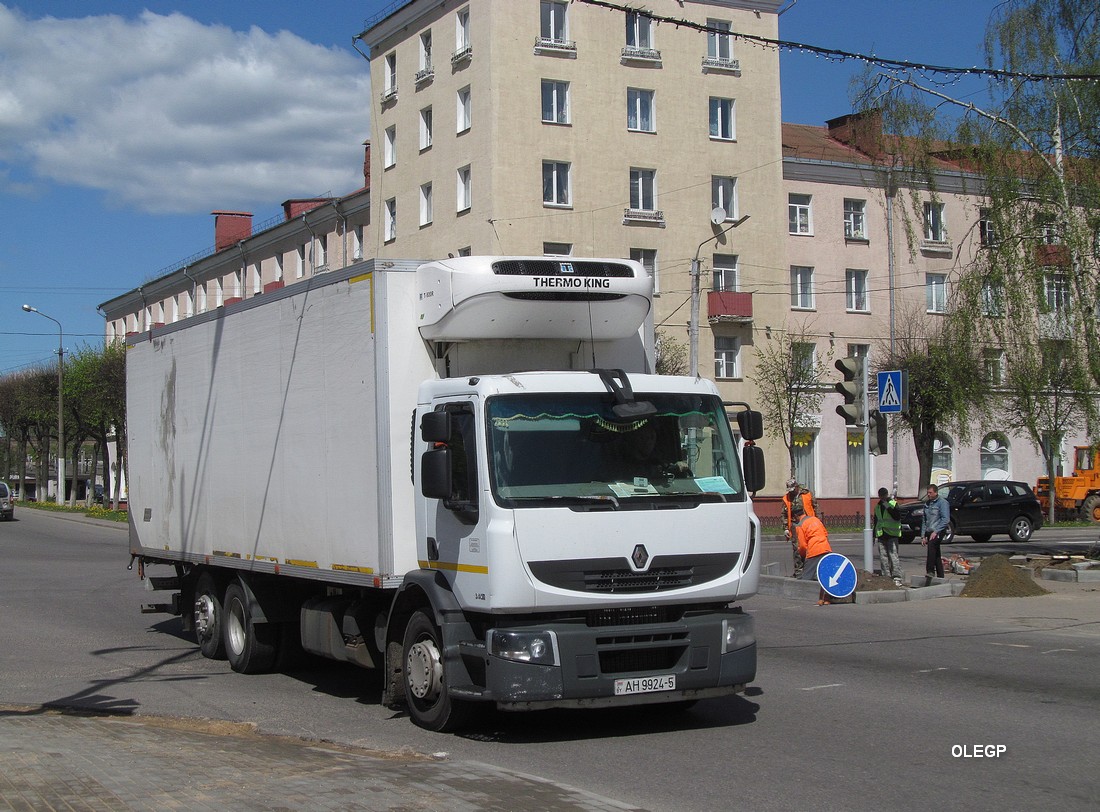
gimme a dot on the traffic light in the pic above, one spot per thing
(851, 388)
(877, 439)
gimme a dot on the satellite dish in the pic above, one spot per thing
(718, 215)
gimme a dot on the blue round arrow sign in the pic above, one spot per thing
(837, 575)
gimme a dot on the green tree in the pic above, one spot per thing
(670, 355)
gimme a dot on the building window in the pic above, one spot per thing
(648, 258)
(721, 119)
(935, 289)
(389, 81)
(943, 459)
(553, 24)
(1057, 292)
(639, 31)
(462, 30)
(994, 367)
(639, 110)
(986, 235)
(643, 189)
(994, 456)
(719, 40)
(219, 292)
(857, 466)
(426, 204)
(466, 251)
(799, 215)
(200, 295)
(389, 147)
(320, 251)
(300, 262)
(425, 54)
(557, 249)
(465, 111)
(257, 280)
(725, 272)
(855, 288)
(425, 128)
(802, 287)
(464, 195)
(934, 228)
(391, 219)
(555, 183)
(855, 219)
(357, 242)
(727, 357)
(555, 102)
(279, 267)
(723, 195)
(992, 298)
(805, 462)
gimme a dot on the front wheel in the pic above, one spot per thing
(1020, 529)
(947, 535)
(250, 646)
(1090, 508)
(430, 706)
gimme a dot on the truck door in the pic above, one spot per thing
(454, 524)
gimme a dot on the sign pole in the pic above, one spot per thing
(868, 558)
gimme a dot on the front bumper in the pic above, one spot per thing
(589, 660)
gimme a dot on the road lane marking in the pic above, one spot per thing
(1054, 650)
(818, 687)
(1010, 645)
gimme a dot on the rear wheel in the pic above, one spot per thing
(947, 535)
(1020, 529)
(430, 706)
(1090, 508)
(250, 646)
(208, 618)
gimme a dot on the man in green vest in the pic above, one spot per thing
(887, 529)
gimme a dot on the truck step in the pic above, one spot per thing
(155, 583)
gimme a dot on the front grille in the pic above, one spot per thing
(561, 267)
(628, 662)
(634, 616)
(615, 576)
(566, 296)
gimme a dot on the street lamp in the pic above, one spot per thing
(60, 404)
(717, 216)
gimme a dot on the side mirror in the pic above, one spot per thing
(435, 472)
(435, 427)
(751, 424)
(752, 465)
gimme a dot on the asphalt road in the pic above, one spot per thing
(898, 706)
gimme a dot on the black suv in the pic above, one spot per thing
(980, 508)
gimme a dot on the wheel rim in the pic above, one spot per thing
(234, 627)
(424, 670)
(204, 616)
(1023, 529)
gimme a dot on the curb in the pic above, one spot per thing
(808, 590)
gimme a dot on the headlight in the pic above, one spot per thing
(540, 648)
(737, 633)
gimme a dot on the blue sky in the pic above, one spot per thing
(124, 123)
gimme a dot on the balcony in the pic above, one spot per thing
(654, 217)
(463, 54)
(633, 53)
(563, 47)
(389, 95)
(721, 64)
(425, 75)
(939, 247)
(726, 307)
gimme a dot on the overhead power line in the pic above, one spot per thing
(834, 53)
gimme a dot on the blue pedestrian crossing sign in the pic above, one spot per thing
(837, 575)
(893, 395)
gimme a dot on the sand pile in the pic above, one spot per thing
(996, 577)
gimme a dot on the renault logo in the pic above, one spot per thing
(640, 557)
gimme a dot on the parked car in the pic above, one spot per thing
(981, 508)
(7, 502)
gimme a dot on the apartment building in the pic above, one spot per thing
(869, 255)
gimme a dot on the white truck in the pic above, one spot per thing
(462, 472)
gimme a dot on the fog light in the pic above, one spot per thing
(525, 647)
(737, 633)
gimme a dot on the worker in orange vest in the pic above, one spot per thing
(796, 494)
(813, 544)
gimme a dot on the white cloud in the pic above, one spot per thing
(165, 114)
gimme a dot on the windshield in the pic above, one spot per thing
(555, 448)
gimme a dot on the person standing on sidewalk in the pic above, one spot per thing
(886, 523)
(813, 543)
(937, 516)
(802, 496)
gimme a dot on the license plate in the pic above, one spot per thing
(645, 685)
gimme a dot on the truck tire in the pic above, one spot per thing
(249, 646)
(1090, 508)
(208, 618)
(1020, 529)
(430, 706)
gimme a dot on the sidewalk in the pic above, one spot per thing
(59, 760)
